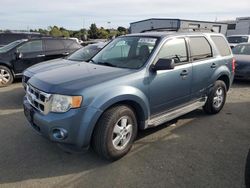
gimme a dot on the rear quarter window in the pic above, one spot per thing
(200, 48)
(221, 45)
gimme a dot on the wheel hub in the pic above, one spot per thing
(122, 133)
(4, 76)
(218, 98)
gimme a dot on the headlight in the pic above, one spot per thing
(62, 103)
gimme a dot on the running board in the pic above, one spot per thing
(176, 113)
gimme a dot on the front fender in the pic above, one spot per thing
(103, 102)
(120, 94)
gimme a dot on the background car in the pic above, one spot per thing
(82, 55)
(237, 39)
(6, 38)
(242, 56)
(21, 54)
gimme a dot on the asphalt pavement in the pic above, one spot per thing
(196, 150)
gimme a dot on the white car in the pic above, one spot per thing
(237, 39)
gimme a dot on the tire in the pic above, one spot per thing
(216, 98)
(6, 77)
(113, 139)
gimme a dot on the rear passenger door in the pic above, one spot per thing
(203, 65)
(54, 48)
(171, 88)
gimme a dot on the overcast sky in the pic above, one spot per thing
(76, 14)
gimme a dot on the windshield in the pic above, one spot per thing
(10, 46)
(242, 50)
(85, 53)
(237, 39)
(126, 52)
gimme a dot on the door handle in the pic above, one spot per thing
(213, 65)
(41, 55)
(184, 73)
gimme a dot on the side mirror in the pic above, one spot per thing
(163, 64)
(19, 55)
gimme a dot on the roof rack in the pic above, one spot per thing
(187, 29)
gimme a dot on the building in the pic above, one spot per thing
(176, 24)
(240, 26)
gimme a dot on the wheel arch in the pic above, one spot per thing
(225, 79)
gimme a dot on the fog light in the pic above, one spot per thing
(59, 133)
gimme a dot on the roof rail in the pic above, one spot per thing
(187, 29)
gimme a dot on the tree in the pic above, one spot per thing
(55, 32)
(93, 31)
(122, 31)
(102, 33)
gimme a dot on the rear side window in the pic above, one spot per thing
(52, 45)
(71, 44)
(200, 48)
(221, 45)
(31, 46)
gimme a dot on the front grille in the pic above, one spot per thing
(38, 99)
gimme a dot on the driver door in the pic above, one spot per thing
(171, 88)
(31, 53)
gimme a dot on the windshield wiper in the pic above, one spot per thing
(92, 61)
(107, 64)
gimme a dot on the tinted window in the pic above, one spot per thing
(10, 46)
(237, 39)
(221, 45)
(200, 48)
(175, 48)
(31, 46)
(231, 26)
(54, 45)
(242, 49)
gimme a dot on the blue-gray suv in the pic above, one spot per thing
(136, 82)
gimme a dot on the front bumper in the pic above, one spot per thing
(78, 123)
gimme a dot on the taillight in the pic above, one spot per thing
(233, 64)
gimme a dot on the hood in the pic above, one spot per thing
(242, 61)
(74, 77)
(48, 65)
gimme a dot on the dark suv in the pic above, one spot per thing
(135, 82)
(21, 54)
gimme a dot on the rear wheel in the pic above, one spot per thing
(216, 98)
(6, 77)
(115, 132)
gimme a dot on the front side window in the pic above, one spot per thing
(200, 48)
(127, 52)
(174, 49)
(31, 46)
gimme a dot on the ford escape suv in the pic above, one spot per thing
(136, 82)
(21, 54)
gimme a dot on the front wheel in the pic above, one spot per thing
(216, 98)
(6, 77)
(115, 132)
